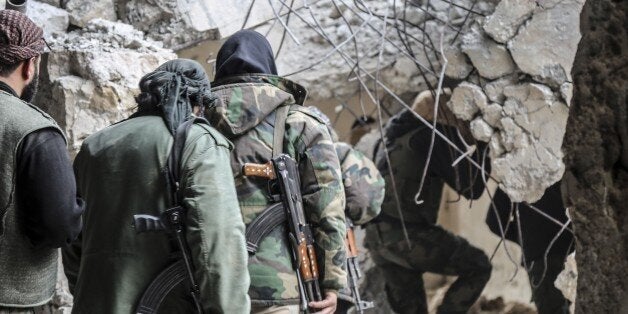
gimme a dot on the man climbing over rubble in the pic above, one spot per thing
(120, 172)
(263, 115)
(545, 244)
(39, 209)
(404, 241)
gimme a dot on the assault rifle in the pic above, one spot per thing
(172, 222)
(284, 176)
(177, 272)
(353, 270)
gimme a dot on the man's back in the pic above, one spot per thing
(120, 172)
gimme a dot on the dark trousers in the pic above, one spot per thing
(433, 250)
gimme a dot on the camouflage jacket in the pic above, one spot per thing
(245, 113)
(364, 185)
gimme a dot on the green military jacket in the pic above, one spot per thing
(120, 172)
(245, 113)
(363, 184)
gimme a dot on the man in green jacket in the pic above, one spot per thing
(120, 172)
(252, 102)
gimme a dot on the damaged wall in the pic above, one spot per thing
(510, 68)
(91, 77)
(596, 148)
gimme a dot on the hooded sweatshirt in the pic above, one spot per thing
(245, 114)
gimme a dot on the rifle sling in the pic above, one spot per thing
(263, 225)
(281, 114)
(176, 273)
(274, 215)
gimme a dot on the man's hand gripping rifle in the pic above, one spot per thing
(283, 173)
(353, 269)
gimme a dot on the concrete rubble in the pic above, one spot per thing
(549, 58)
(567, 280)
(491, 59)
(509, 68)
(90, 78)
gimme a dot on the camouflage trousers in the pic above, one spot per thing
(275, 309)
(434, 250)
(42, 309)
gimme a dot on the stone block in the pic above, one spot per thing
(466, 100)
(51, 19)
(491, 59)
(82, 11)
(509, 15)
(495, 89)
(546, 46)
(481, 130)
(90, 78)
(458, 66)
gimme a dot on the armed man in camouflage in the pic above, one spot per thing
(429, 247)
(252, 102)
(364, 190)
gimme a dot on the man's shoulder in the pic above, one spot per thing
(214, 137)
(303, 114)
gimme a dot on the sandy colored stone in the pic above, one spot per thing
(466, 100)
(491, 59)
(509, 15)
(546, 46)
(51, 19)
(481, 130)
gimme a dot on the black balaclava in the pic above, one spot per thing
(245, 52)
(171, 89)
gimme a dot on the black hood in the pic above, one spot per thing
(245, 52)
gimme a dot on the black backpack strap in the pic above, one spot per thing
(173, 166)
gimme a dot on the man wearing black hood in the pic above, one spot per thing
(263, 115)
(120, 174)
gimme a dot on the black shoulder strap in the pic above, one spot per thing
(173, 166)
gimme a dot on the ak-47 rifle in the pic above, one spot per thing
(353, 270)
(283, 173)
(177, 272)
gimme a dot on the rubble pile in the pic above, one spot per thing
(90, 78)
(509, 66)
(510, 69)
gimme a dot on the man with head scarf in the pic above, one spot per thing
(264, 116)
(405, 240)
(39, 210)
(120, 172)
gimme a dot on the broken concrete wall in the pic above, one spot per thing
(596, 149)
(509, 69)
(91, 77)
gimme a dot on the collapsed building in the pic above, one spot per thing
(508, 63)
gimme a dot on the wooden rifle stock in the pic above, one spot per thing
(259, 170)
(284, 170)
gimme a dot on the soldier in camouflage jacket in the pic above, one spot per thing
(249, 96)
